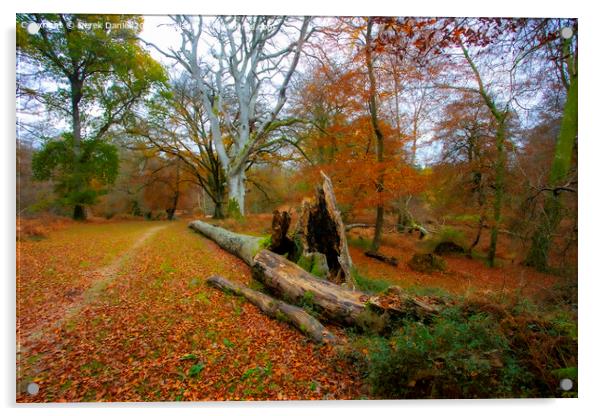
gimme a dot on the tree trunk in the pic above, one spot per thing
(218, 210)
(236, 192)
(500, 166)
(76, 96)
(218, 200)
(563, 157)
(336, 303)
(404, 218)
(372, 104)
(349, 227)
(478, 236)
(176, 196)
(381, 257)
(321, 230)
(243, 246)
(171, 211)
(274, 308)
(79, 212)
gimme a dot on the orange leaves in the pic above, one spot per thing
(127, 342)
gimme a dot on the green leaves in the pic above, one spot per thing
(196, 369)
(79, 178)
(100, 72)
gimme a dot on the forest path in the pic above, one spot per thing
(150, 329)
(101, 278)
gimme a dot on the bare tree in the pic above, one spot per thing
(250, 58)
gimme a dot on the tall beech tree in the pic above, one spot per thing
(250, 58)
(100, 72)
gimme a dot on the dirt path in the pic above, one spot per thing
(100, 278)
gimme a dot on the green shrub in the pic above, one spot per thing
(454, 357)
(314, 263)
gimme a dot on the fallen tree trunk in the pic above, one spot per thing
(320, 238)
(278, 309)
(381, 257)
(349, 227)
(336, 303)
(243, 246)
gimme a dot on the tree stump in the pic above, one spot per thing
(280, 242)
(321, 230)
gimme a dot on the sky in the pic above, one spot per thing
(159, 30)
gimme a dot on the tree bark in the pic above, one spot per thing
(349, 227)
(79, 211)
(500, 167)
(274, 308)
(243, 246)
(335, 303)
(380, 186)
(541, 242)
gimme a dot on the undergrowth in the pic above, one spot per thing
(475, 348)
(368, 284)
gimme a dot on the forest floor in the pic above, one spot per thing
(119, 311)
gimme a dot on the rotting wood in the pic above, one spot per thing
(335, 303)
(320, 229)
(381, 257)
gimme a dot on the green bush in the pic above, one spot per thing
(454, 357)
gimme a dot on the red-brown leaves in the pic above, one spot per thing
(128, 339)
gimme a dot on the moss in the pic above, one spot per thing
(314, 263)
(233, 210)
(447, 240)
(265, 242)
(281, 317)
(308, 298)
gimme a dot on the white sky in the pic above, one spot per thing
(156, 30)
